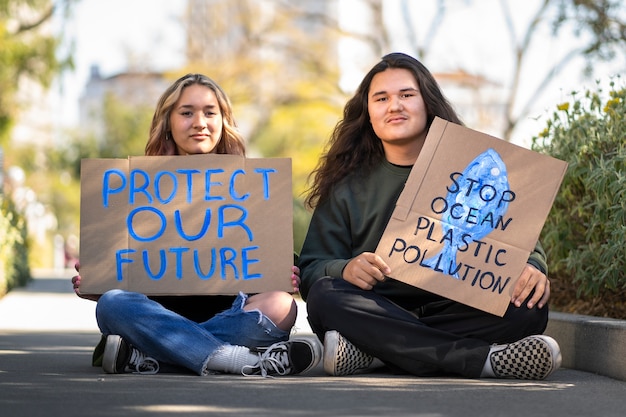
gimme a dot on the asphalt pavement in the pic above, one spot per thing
(47, 335)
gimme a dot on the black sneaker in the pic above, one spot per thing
(292, 357)
(534, 357)
(121, 357)
(341, 357)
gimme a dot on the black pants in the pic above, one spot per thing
(421, 334)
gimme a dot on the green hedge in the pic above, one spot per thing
(14, 266)
(585, 233)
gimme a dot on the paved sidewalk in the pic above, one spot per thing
(47, 335)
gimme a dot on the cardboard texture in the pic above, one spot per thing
(469, 216)
(177, 225)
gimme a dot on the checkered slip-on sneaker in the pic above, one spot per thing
(534, 357)
(341, 357)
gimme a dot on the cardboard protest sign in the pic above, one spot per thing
(469, 216)
(197, 224)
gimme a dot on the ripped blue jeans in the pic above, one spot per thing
(173, 339)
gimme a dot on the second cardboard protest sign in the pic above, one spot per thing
(198, 224)
(469, 216)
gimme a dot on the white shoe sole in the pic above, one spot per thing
(111, 353)
(341, 357)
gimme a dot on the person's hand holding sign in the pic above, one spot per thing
(366, 270)
(76, 279)
(531, 279)
(295, 278)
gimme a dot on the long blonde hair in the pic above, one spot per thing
(161, 142)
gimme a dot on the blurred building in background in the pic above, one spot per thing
(130, 88)
(346, 30)
(479, 101)
(221, 30)
(281, 37)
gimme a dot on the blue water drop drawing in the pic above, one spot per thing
(480, 189)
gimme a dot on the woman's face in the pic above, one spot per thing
(196, 121)
(396, 108)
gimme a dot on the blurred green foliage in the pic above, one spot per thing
(585, 233)
(14, 265)
(26, 52)
(29, 52)
(125, 133)
(298, 132)
(54, 171)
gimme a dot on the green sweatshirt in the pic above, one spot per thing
(353, 220)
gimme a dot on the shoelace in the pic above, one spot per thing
(275, 360)
(143, 364)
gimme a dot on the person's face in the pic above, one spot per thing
(196, 121)
(396, 108)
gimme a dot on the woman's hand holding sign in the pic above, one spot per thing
(366, 270)
(76, 279)
(295, 278)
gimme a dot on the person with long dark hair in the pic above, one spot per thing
(353, 307)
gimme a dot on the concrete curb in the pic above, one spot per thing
(591, 344)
